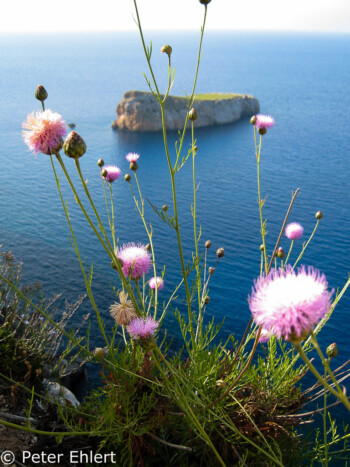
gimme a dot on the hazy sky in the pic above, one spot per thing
(117, 15)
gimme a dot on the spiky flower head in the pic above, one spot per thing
(41, 93)
(132, 157)
(289, 304)
(294, 231)
(111, 173)
(140, 328)
(136, 260)
(156, 282)
(263, 123)
(43, 131)
(74, 146)
(124, 311)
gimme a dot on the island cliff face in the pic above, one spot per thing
(140, 111)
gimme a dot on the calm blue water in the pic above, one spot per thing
(302, 80)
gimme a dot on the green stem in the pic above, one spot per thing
(194, 214)
(289, 252)
(317, 375)
(306, 244)
(140, 296)
(325, 423)
(262, 227)
(113, 217)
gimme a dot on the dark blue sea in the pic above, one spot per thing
(301, 80)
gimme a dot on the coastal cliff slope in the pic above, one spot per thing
(140, 111)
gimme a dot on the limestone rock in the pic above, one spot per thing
(140, 111)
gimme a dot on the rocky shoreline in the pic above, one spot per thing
(139, 111)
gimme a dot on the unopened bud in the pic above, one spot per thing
(100, 163)
(262, 131)
(164, 208)
(99, 352)
(262, 248)
(211, 271)
(166, 49)
(114, 266)
(204, 2)
(41, 93)
(127, 178)
(148, 247)
(208, 244)
(74, 145)
(280, 253)
(220, 252)
(195, 148)
(104, 173)
(332, 350)
(134, 166)
(192, 114)
(207, 300)
(319, 215)
(253, 120)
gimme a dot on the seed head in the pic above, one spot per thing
(208, 244)
(220, 252)
(123, 312)
(211, 271)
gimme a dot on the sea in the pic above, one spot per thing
(302, 80)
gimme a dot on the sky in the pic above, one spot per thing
(22, 16)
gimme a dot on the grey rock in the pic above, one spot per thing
(139, 111)
(59, 393)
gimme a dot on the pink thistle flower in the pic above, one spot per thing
(264, 336)
(263, 122)
(113, 173)
(43, 132)
(289, 304)
(156, 282)
(294, 231)
(142, 327)
(132, 157)
(136, 260)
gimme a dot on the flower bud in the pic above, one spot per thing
(134, 166)
(208, 244)
(167, 50)
(148, 247)
(74, 145)
(192, 114)
(41, 93)
(195, 148)
(262, 248)
(319, 215)
(207, 300)
(211, 271)
(332, 350)
(99, 352)
(220, 252)
(104, 173)
(127, 178)
(100, 162)
(253, 120)
(280, 253)
(262, 131)
(204, 2)
(164, 208)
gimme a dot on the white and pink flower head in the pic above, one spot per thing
(156, 282)
(141, 328)
(264, 122)
(136, 260)
(44, 131)
(113, 173)
(294, 231)
(132, 157)
(289, 304)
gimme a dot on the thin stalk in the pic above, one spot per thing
(262, 226)
(194, 214)
(289, 252)
(177, 228)
(113, 217)
(313, 370)
(106, 201)
(150, 238)
(87, 283)
(325, 423)
(306, 244)
(140, 296)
